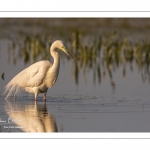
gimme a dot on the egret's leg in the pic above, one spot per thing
(36, 92)
(44, 98)
(35, 96)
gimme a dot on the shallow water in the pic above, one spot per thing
(113, 99)
(75, 113)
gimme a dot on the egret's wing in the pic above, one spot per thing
(29, 77)
(34, 75)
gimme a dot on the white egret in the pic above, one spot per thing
(40, 76)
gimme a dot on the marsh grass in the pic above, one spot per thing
(100, 45)
(101, 55)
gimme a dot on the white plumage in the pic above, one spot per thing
(40, 76)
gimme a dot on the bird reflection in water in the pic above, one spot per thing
(31, 118)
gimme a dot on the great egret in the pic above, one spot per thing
(40, 76)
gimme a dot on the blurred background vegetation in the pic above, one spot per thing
(99, 44)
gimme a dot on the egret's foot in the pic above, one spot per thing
(44, 98)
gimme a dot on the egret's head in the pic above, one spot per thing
(59, 44)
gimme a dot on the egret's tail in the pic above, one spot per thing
(11, 88)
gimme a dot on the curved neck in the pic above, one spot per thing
(56, 59)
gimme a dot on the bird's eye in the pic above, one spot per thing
(63, 48)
